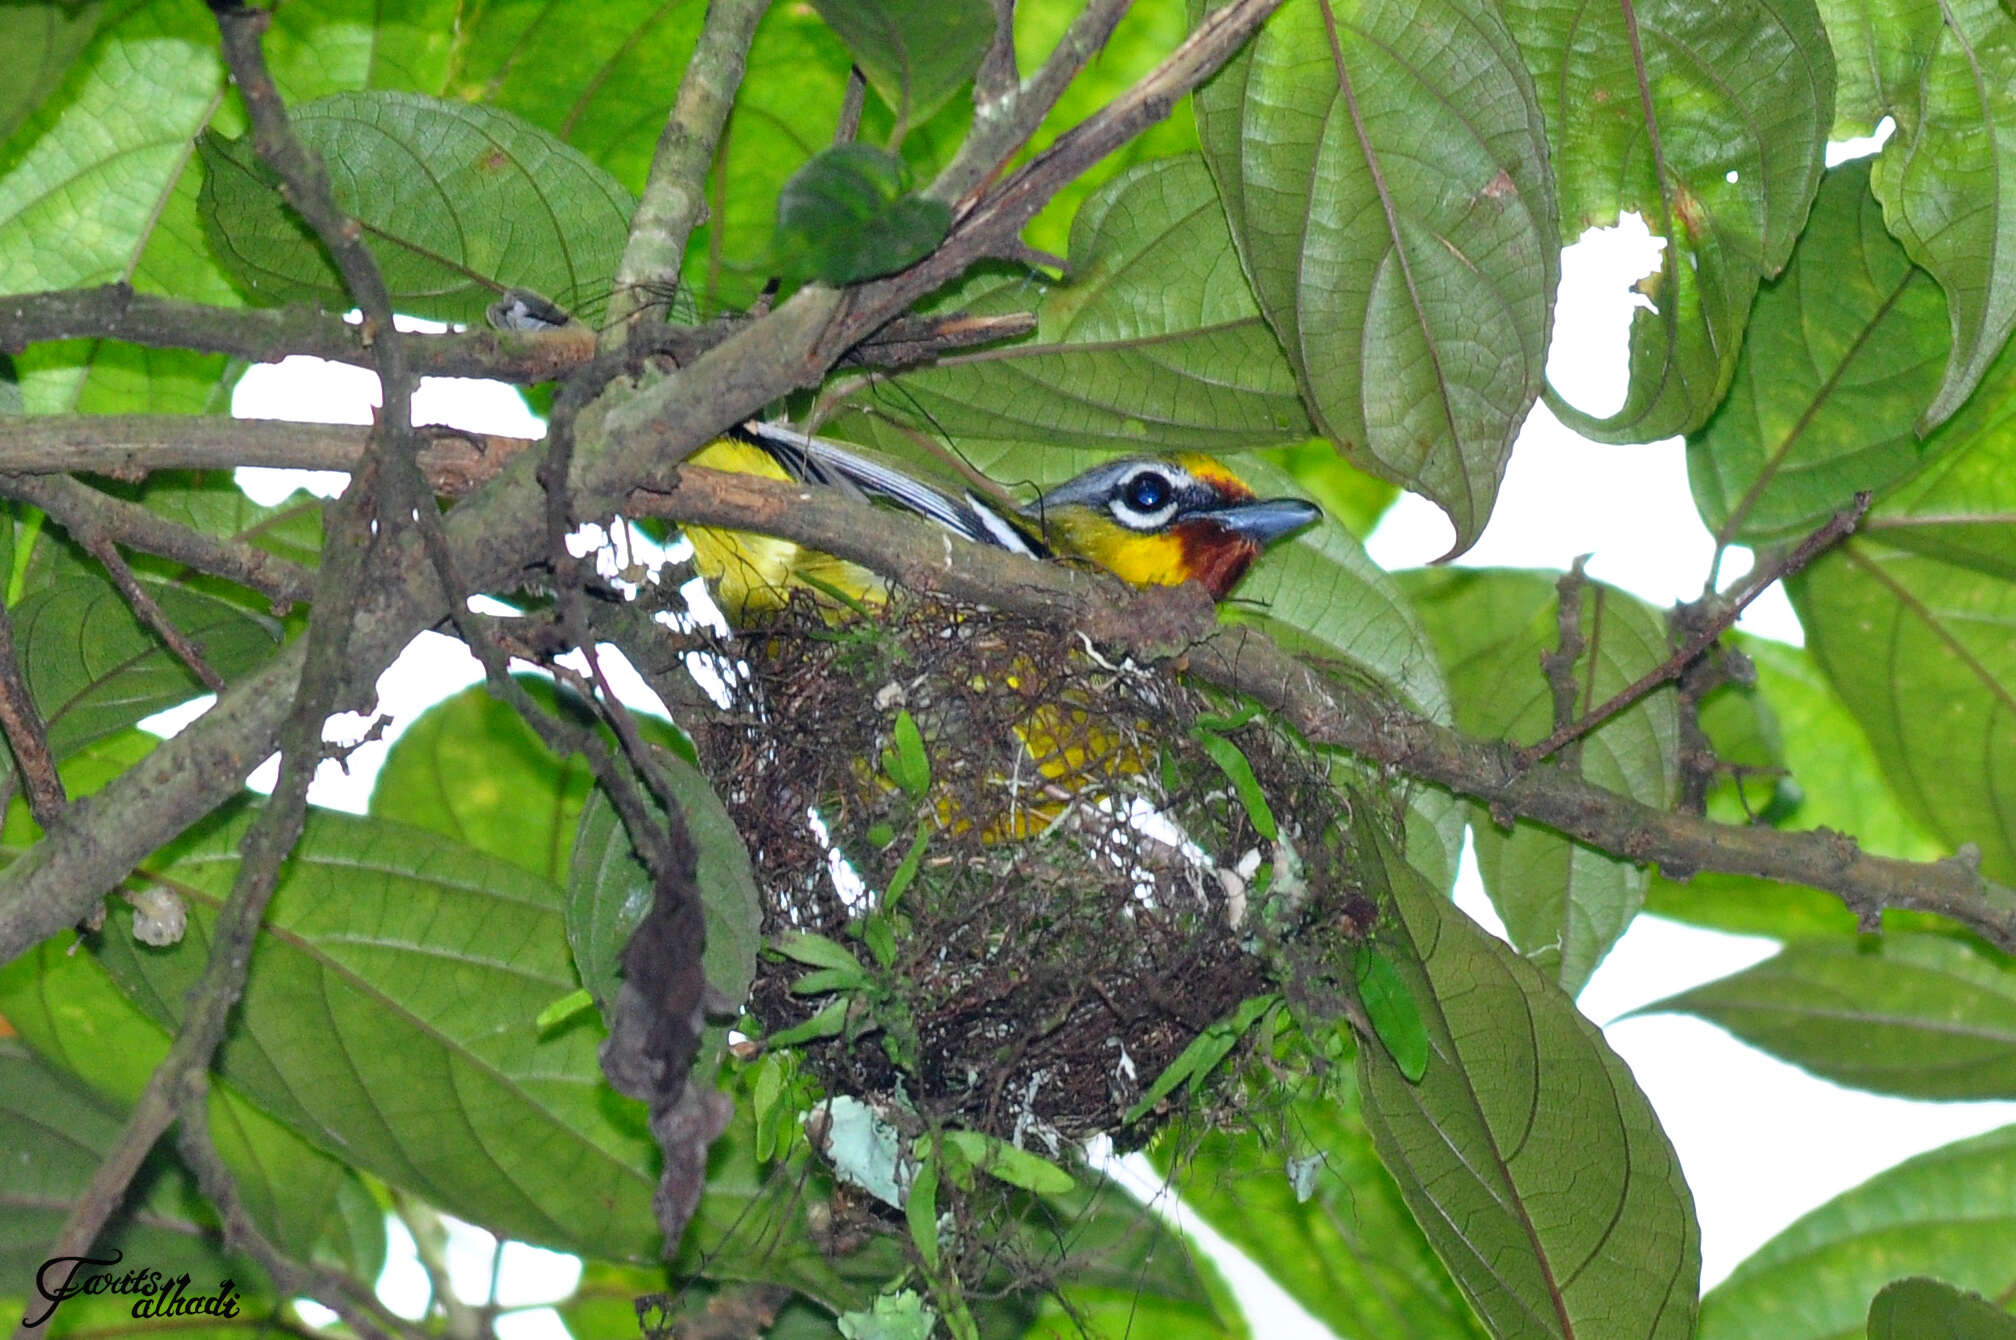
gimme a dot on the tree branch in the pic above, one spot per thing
(266, 335)
(1160, 624)
(132, 446)
(149, 609)
(675, 193)
(1840, 524)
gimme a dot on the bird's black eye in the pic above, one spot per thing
(1147, 492)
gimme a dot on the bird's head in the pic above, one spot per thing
(1162, 520)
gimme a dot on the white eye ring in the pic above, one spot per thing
(1134, 517)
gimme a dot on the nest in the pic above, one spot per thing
(1084, 884)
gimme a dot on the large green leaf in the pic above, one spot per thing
(1154, 343)
(390, 1015)
(1564, 904)
(55, 1132)
(1918, 1309)
(100, 165)
(1845, 349)
(1921, 1016)
(609, 889)
(38, 45)
(1835, 781)
(1708, 120)
(1947, 72)
(601, 77)
(456, 200)
(470, 768)
(310, 1203)
(1920, 651)
(1529, 1157)
(1413, 292)
(916, 53)
(1961, 509)
(336, 45)
(1949, 1213)
(94, 668)
(1317, 1208)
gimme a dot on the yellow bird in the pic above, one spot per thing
(1150, 520)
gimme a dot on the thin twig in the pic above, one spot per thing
(97, 520)
(1839, 525)
(149, 609)
(674, 197)
(28, 736)
(852, 100)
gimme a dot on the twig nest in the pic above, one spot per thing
(1053, 871)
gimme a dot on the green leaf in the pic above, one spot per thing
(1949, 1213)
(845, 217)
(38, 46)
(1840, 785)
(56, 1132)
(590, 74)
(1961, 508)
(1395, 1015)
(101, 164)
(1121, 1273)
(827, 1023)
(457, 201)
(1016, 1167)
(95, 669)
(1920, 652)
(1708, 121)
(920, 1212)
(391, 1015)
(311, 1204)
(1413, 292)
(1349, 1251)
(1244, 784)
(471, 769)
(1154, 343)
(1844, 351)
(1526, 1152)
(1196, 1061)
(1564, 904)
(906, 762)
(1920, 1016)
(336, 45)
(916, 53)
(609, 888)
(817, 951)
(1927, 1309)
(563, 1009)
(1943, 71)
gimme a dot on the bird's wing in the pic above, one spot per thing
(818, 461)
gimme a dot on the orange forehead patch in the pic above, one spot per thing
(1208, 470)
